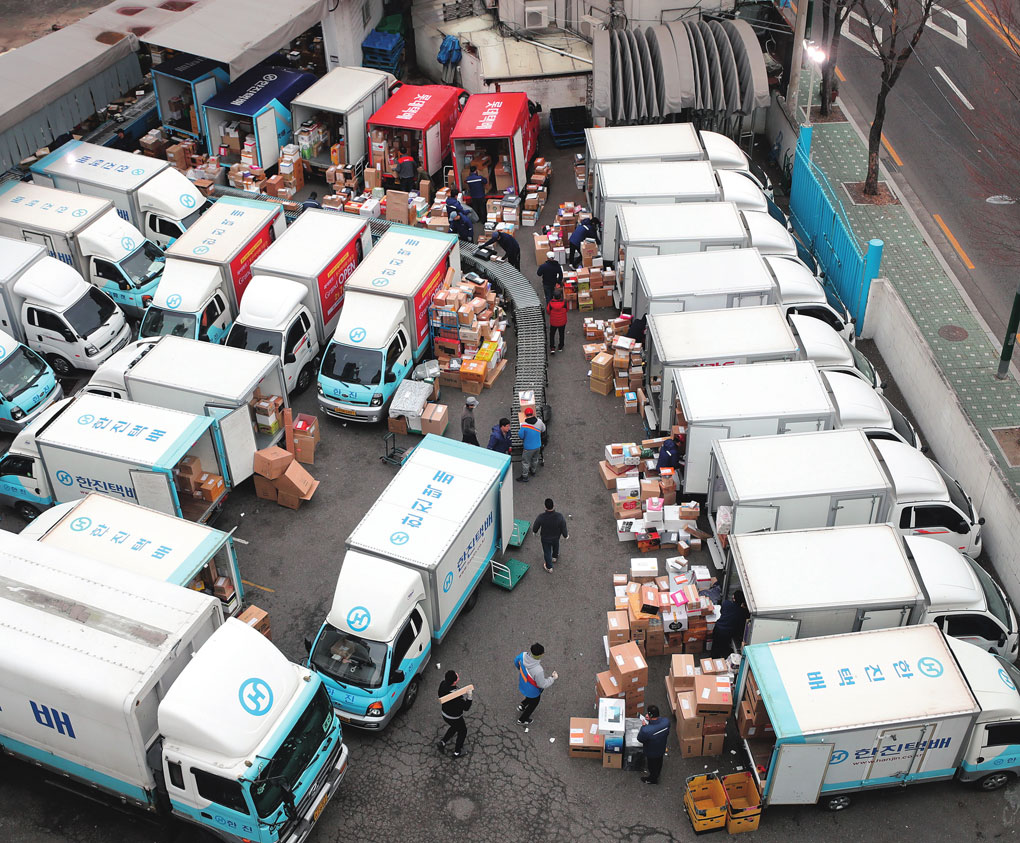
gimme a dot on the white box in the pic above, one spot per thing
(628, 528)
(671, 519)
(612, 713)
(629, 487)
(644, 566)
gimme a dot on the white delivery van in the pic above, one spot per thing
(293, 302)
(331, 116)
(664, 183)
(209, 267)
(690, 227)
(928, 501)
(86, 233)
(383, 329)
(802, 292)
(195, 377)
(729, 402)
(849, 713)
(858, 405)
(137, 693)
(832, 352)
(167, 460)
(807, 583)
(710, 338)
(149, 193)
(46, 305)
(153, 544)
(411, 566)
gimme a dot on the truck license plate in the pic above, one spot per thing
(320, 807)
(347, 412)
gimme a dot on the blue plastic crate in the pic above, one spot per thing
(383, 42)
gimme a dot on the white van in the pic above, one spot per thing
(802, 292)
(830, 351)
(858, 405)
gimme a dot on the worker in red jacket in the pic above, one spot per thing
(557, 310)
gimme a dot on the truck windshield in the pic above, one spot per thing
(158, 322)
(956, 493)
(900, 424)
(993, 597)
(355, 366)
(143, 264)
(189, 220)
(863, 365)
(293, 756)
(255, 339)
(349, 659)
(90, 312)
(19, 371)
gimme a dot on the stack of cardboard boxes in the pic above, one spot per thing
(467, 323)
(617, 367)
(580, 171)
(753, 721)
(279, 477)
(700, 693)
(291, 170)
(536, 192)
(193, 481)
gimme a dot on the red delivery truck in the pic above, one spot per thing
(419, 118)
(498, 134)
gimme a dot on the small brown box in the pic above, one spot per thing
(272, 462)
(681, 671)
(257, 619)
(689, 724)
(397, 425)
(712, 745)
(189, 467)
(292, 501)
(212, 487)
(690, 748)
(223, 588)
(264, 488)
(713, 694)
(618, 626)
(583, 740)
(607, 685)
(295, 481)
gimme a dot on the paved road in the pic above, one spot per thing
(961, 81)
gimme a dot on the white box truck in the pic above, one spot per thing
(859, 405)
(411, 566)
(334, 112)
(690, 227)
(196, 377)
(149, 193)
(136, 693)
(832, 352)
(139, 453)
(730, 402)
(807, 583)
(383, 329)
(46, 305)
(153, 544)
(881, 708)
(293, 302)
(86, 233)
(800, 291)
(209, 267)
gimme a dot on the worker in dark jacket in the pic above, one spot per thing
(586, 229)
(453, 714)
(499, 439)
(511, 248)
(653, 737)
(733, 616)
(551, 524)
(460, 224)
(671, 453)
(551, 274)
(407, 169)
(475, 184)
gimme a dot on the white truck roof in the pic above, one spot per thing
(722, 151)
(399, 263)
(15, 255)
(799, 464)
(368, 318)
(989, 681)
(342, 88)
(632, 179)
(226, 227)
(310, 243)
(106, 426)
(441, 488)
(47, 208)
(769, 234)
(713, 334)
(796, 281)
(759, 390)
(267, 298)
(620, 143)
(100, 165)
(820, 342)
(188, 284)
(800, 680)
(693, 273)
(706, 221)
(51, 282)
(742, 191)
(857, 404)
(110, 237)
(125, 535)
(951, 583)
(914, 476)
(170, 193)
(358, 586)
(208, 368)
(834, 566)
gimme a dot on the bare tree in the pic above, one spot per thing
(834, 15)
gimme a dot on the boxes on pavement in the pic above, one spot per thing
(269, 462)
(584, 740)
(628, 665)
(619, 627)
(258, 619)
(713, 694)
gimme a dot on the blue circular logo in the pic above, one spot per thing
(187, 200)
(64, 479)
(1006, 680)
(127, 243)
(448, 582)
(256, 696)
(930, 667)
(88, 418)
(200, 250)
(400, 537)
(173, 301)
(359, 618)
(380, 282)
(138, 171)
(3, 352)
(839, 756)
(81, 524)
(78, 212)
(358, 334)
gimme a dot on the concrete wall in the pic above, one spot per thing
(345, 28)
(953, 439)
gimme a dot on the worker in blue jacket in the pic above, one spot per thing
(476, 184)
(653, 737)
(586, 229)
(460, 224)
(531, 438)
(511, 248)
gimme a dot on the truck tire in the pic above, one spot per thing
(26, 512)
(411, 694)
(59, 365)
(993, 781)
(471, 601)
(304, 379)
(836, 803)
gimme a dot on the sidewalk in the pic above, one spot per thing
(914, 270)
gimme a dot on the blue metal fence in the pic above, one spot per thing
(822, 223)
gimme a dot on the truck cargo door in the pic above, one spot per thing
(355, 134)
(204, 89)
(520, 165)
(506, 510)
(154, 490)
(266, 139)
(755, 519)
(765, 630)
(883, 619)
(699, 458)
(433, 149)
(896, 754)
(237, 438)
(798, 773)
(847, 512)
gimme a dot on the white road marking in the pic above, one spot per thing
(956, 90)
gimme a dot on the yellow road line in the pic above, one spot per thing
(256, 585)
(956, 243)
(839, 74)
(891, 151)
(998, 27)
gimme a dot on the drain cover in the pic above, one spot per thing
(953, 333)
(1008, 439)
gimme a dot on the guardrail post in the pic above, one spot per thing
(872, 263)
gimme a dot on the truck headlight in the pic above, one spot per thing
(375, 710)
(377, 399)
(17, 413)
(91, 350)
(318, 388)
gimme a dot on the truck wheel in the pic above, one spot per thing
(410, 695)
(471, 601)
(837, 803)
(304, 379)
(59, 365)
(26, 512)
(993, 781)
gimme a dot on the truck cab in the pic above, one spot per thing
(190, 302)
(27, 385)
(273, 319)
(928, 502)
(803, 293)
(169, 205)
(122, 262)
(858, 405)
(372, 648)
(832, 352)
(370, 353)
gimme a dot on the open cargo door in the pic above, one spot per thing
(433, 148)
(506, 510)
(237, 437)
(154, 490)
(847, 512)
(268, 142)
(755, 519)
(520, 163)
(355, 134)
(798, 773)
(767, 630)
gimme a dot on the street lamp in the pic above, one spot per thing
(816, 56)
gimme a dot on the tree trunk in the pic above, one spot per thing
(827, 39)
(875, 138)
(829, 72)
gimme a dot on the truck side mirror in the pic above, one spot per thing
(981, 521)
(124, 285)
(963, 528)
(289, 357)
(397, 676)
(391, 377)
(308, 646)
(67, 335)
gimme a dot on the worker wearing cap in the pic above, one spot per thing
(467, 421)
(551, 274)
(511, 248)
(531, 437)
(407, 169)
(475, 184)
(461, 225)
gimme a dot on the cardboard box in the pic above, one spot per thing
(712, 745)
(607, 685)
(689, 724)
(211, 488)
(192, 466)
(584, 740)
(619, 627)
(223, 588)
(293, 501)
(257, 619)
(713, 694)
(715, 724)
(612, 760)
(628, 665)
(602, 366)
(681, 672)
(396, 425)
(295, 481)
(435, 419)
(304, 450)
(269, 462)
(690, 748)
(601, 387)
(265, 488)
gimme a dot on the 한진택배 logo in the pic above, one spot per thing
(256, 696)
(187, 200)
(359, 618)
(448, 582)
(173, 301)
(358, 334)
(81, 524)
